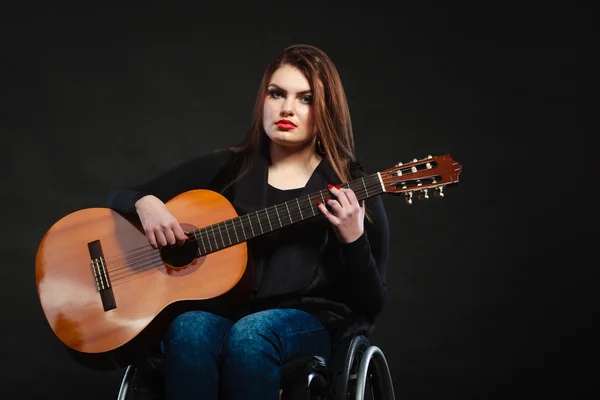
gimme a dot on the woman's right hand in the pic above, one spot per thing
(159, 224)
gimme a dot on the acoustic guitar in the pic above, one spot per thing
(102, 287)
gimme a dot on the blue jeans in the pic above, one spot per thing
(210, 357)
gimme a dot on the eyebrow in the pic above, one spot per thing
(283, 90)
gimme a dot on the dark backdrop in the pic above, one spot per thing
(488, 293)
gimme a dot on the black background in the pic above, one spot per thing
(490, 295)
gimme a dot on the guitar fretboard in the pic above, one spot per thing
(236, 230)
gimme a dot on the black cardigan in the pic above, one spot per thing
(341, 284)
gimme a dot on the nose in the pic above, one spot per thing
(286, 110)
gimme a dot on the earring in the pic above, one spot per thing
(320, 146)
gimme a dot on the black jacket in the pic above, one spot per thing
(301, 266)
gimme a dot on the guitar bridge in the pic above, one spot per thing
(101, 276)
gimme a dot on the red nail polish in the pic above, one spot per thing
(329, 185)
(327, 199)
(337, 187)
(319, 202)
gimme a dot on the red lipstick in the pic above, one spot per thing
(285, 124)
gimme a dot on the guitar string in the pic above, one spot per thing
(145, 266)
(141, 273)
(141, 262)
(137, 262)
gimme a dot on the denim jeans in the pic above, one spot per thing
(210, 357)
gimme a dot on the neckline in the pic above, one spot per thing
(285, 190)
(299, 189)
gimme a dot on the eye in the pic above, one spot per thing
(275, 93)
(308, 99)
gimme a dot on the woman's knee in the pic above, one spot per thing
(197, 329)
(253, 337)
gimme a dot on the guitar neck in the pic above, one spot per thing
(236, 230)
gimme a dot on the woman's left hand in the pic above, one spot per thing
(347, 215)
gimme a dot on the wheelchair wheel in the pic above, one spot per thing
(346, 381)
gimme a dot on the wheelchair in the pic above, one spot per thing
(355, 370)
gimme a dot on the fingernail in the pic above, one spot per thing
(327, 199)
(329, 185)
(337, 187)
(319, 202)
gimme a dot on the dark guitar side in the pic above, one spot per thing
(67, 287)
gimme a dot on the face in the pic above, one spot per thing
(288, 112)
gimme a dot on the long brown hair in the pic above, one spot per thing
(330, 108)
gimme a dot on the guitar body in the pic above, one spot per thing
(143, 282)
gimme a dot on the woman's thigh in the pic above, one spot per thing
(284, 333)
(196, 334)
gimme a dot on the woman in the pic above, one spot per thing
(317, 281)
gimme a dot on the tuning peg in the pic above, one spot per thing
(439, 192)
(413, 168)
(399, 171)
(408, 196)
(428, 165)
(423, 195)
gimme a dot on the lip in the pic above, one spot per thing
(285, 124)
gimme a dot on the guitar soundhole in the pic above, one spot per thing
(181, 260)
(179, 256)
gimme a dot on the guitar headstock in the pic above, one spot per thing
(422, 176)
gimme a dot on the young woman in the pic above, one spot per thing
(317, 281)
